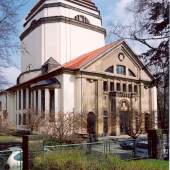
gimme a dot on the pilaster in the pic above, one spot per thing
(39, 101)
(47, 102)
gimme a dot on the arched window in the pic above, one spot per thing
(120, 69)
(82, 18)
(131, 73)
(110, 69)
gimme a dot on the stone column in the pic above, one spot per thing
(27, 99)
(34, 101)
(17, 100)
(57, 101)
(17, 106)
(47, 102)
(100, 107)
(39, 101)
(27, 105)
(21, 99)
(117, 118)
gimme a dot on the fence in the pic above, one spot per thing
(103, 147)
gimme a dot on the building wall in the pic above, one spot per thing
(32, 50)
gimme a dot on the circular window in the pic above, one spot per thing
(121, 56)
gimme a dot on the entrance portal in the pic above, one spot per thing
(124, 122)
(91, 123)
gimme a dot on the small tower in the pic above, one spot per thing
(62, 29)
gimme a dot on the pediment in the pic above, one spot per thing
(123, 56)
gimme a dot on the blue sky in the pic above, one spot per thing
(111, 11)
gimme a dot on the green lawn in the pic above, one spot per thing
(5, 138)
(78, 160)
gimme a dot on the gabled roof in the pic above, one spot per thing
(90, 57)
(81, 61)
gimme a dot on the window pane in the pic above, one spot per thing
(121, 69)
(111, 86)
(18, 157)
(110, 69)
(130, 88)
(135, 88)
(118, 86)
(82, 18)
(105, 86)
(124, 87)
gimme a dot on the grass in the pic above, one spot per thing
(8, 138)
(79, 160)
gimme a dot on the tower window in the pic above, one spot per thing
(131, 73)
(121, 69)
(82, 18)
(110, 69)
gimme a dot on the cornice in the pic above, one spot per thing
(63, 19)
(89, 5)
(60, 4)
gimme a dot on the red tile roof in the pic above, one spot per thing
(78, 62)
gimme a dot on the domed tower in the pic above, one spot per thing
(61, 29)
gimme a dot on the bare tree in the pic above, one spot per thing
(135, 125)
(9, 21)
(66, 126)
